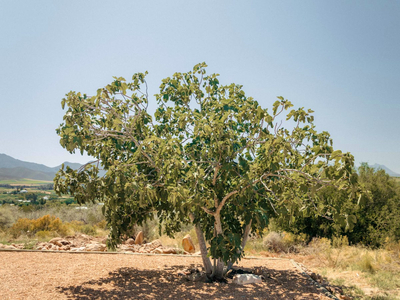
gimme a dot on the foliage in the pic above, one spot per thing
(376, 212)
(210, 155)
(378, 217)
(31, 227)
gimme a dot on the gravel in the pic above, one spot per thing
(40, 275)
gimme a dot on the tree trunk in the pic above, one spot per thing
(246, 235)
(219, 264)
(244, 241)
(203, 248)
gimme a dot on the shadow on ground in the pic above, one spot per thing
(132, 283)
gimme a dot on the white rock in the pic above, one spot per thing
(246, 279)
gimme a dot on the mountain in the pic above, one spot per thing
(11, 168)
(21, 173)
(386, 169)
(68, 164)
(10, 162)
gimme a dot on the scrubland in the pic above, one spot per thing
(362, 272)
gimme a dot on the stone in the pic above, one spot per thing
(59, 242)
(188, 245)
(169, 251)
(130, 242)
(242, 279)
(157, 251)
(314, 276)
(9, 247)
(155, 244)
(139, 238)
(96, 247)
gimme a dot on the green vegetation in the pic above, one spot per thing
(210, 156)
(23, 182)
(376, 213)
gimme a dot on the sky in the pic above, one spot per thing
(339, 58)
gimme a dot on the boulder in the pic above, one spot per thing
(171, 251)
(130, 241)
(59, 242)
(188, 245)
(96, 247)
(153, 245)
(246, 279)
(139, 238)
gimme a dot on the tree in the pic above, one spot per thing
(209, 155)
(378, 217)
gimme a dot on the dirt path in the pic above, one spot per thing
(38, 275)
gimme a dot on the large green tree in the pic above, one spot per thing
(209, 155)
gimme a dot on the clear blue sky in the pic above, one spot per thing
(340, 58)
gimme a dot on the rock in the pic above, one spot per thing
(169, 251)
(9, 247)
(130, 241)
(139, 238)
(59, 242)
(157, 251)
(187, 244)
(344, 297)
(246, 279)
(77, 249)
(154, 244)
(96, 247)
(314, 276)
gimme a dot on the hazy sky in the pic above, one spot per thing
(339, 58)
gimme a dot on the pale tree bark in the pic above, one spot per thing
(219, 266)
(203, 248)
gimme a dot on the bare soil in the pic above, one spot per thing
(40, 275)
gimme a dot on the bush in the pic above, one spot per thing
(284, 242)
(6, 218)
(340, 241)
(31, 227)
(273, 242)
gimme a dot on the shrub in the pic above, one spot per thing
(6, 218)
(88, 229)
(340, 241)
(31, 227)
(273, 242)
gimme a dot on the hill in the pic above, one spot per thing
(15, 169)
(386, 169)
(11, 168)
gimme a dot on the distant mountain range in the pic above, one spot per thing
(11, 168)
(386, 169)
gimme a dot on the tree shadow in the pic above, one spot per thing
(132, 283)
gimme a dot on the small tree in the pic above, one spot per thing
(210, 155)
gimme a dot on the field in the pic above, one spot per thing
(25, 182)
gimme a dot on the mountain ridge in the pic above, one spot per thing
(12, 168)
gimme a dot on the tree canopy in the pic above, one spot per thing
(209, 155)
